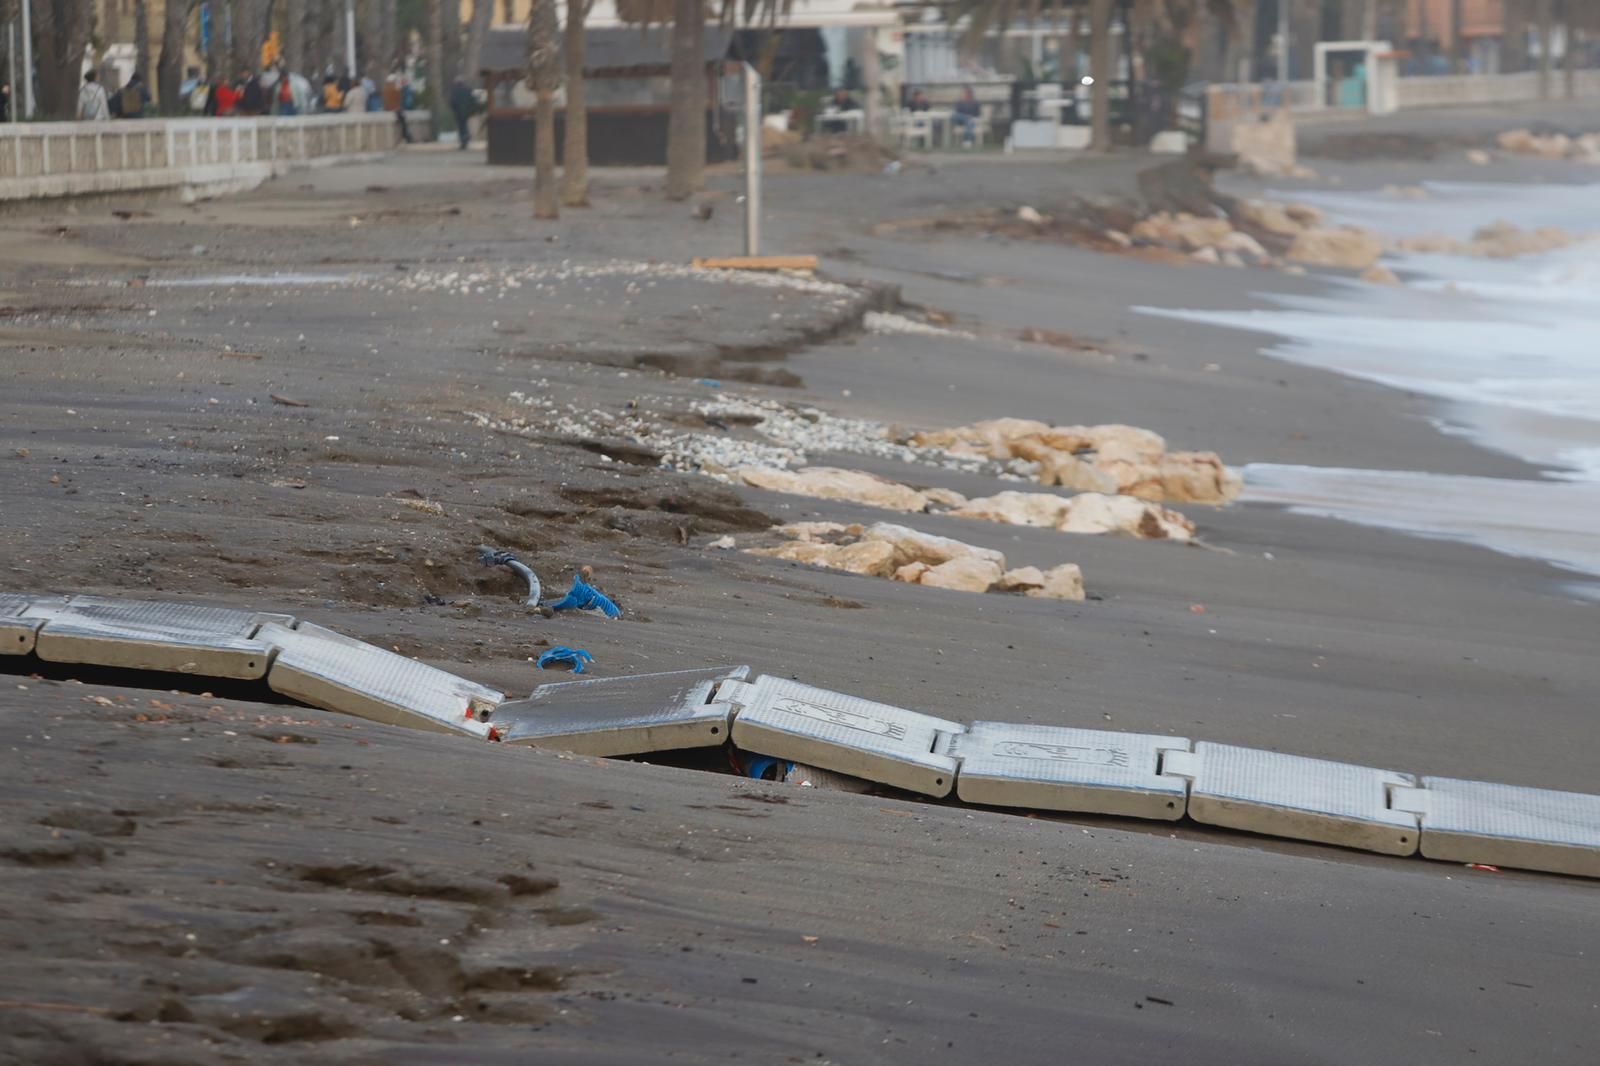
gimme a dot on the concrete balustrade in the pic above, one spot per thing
(197, 156)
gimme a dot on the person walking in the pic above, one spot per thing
(253, 98)
(462, 104)
(93, 106)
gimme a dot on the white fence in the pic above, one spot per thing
(196, 155)
(1454, 90)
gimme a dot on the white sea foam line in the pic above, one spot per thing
(1550, 520)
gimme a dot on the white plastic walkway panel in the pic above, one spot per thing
(877, 741)
(1295, 797)
(1507, 825)
(338, 673)
(1059, 769)
(20, 619)
(623, 715)
(150, 635)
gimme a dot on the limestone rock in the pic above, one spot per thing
(911, 573)
(944, 497)
(914, 546)
(1240, 243)
(1478, 157)
(1021, 579)
(1305, 215)
(1063, 582)
(812, 530)
(1030, 215)
(871, 557)
(1206, 255)
(832, 483)
(1268, 215)
(1118, 238)
(1503, 240)
(965, 574)
(1431, 244)
(798, 551)
(1018, 509)
(1200, 477)
(1091, 512)
(1378, 274)
(1345, 246)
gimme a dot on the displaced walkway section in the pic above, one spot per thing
(993, 763)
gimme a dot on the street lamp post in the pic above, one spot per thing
(350, 37)
(27, 60)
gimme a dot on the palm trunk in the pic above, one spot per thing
(371, 50)
(216, 51)
(1569, 62)
(61, 32)
(388, 33)
(686, 126)
(1544, 14)
(1100, 67)
(544, 64)
(575, 175)
(294, 35)
(141, 38)
(477, 29)
(437, 89)
(169, 68)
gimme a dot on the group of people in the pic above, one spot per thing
(95, 104)
(273, 91)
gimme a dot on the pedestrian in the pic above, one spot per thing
(393, 100)
(93, 106)
(966, 115)
(134, 99)
(191, 82)
(285, 93)
(355, 98)
(462, 104)
(252, 96)
(5, 101)
(332, 98)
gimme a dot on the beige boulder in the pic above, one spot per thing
(1345, 246)
(911, 573)
(1504, 240)
(1431, 244)
(1240, 243)
(1305, 216)
(1268, 215)
(1021, 579)
(1206, 255)
(1478, 157)
(944, 497)
(832, 483)
(966, 574)
(873, 558)
(1018, 509)
(914, 546)
(1063, 582)
(1378, 274)
(814, 530)
(1199, 477)
(1093, 513)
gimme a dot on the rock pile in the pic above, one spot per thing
(1087, 512)
(908, 555)
(857, 486)
(1111, 459)
(1584, 148)
(1498, 240)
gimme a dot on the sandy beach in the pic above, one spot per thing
(297, 400)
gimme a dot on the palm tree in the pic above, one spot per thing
(169, 68)
(686, 125)
(575, 175)
(544, 70)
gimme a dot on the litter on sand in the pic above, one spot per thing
(577, 658)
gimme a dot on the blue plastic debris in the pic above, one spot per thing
(711, 383)
(585, 597)
(577, 658)
(766, 768)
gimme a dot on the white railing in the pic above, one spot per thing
(1449, 90)
(47, 159)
